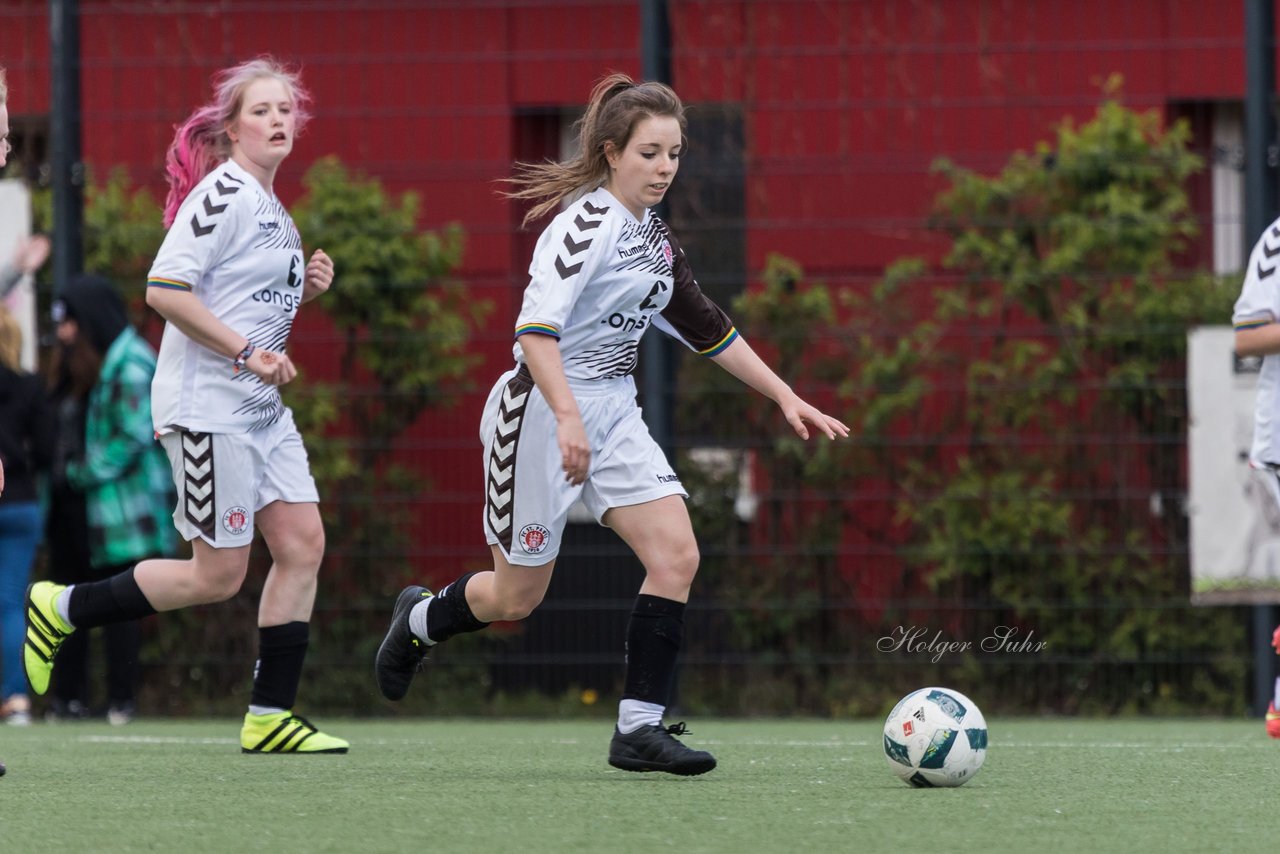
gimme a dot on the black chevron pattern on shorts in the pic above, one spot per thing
(197, 482)
(500, 485)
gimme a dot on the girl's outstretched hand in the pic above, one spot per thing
(799, 413)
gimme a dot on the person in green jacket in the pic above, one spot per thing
(122, 472)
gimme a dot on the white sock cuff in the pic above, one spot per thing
(633, 714)
(418, 621)
(62, 604)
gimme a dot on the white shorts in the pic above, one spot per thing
(527, 497)
(223, 479)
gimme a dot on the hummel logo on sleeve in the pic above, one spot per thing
(567, 271)
(227, 191)
(572, 246)
(1269, 251)
(198, 228)
(211, 209)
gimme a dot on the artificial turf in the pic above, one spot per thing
(529, 787)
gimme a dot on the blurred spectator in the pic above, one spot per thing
(113, 486)
(25, 449)
(27, 258)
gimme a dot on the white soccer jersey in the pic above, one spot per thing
(1258, 305)
(235, 247)
(599, 278)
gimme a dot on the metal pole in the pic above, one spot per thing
(65, 163)
(658, 372)
(1260, 210)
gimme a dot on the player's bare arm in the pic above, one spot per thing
(542, 354)
(741, 361)
(184, 310)
(1261, 340)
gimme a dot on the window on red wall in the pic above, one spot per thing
(1217, 192)
(707, 205)
(29, 160)
(540, 134)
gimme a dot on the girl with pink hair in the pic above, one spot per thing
(229, 280)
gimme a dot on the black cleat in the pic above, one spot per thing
(401, 654)
(654, 748)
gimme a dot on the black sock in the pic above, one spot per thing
(654, 635)
(281, 651)
(448, 613)
(111, 600)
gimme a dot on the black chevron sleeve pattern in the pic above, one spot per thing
(570, 258)
(1259, 301)
(1270, 246)
(206, 216)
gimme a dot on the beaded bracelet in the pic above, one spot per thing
(243, 357)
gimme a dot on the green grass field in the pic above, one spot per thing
(536, 786)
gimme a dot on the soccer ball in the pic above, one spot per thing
(935, 737)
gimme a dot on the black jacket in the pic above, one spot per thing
(26, 434)
(95, 304)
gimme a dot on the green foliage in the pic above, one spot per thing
(122, 233)
(1069, 258)
(1063, 319)
(403, 325)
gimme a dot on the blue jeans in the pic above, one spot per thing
(19, 536)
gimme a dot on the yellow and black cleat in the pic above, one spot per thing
(45, 633)
(285, 732)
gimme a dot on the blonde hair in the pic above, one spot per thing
(10, 341)
(4, 89)
(616, 106)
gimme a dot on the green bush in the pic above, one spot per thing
(1008, 417)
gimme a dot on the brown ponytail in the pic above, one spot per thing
(616, 105)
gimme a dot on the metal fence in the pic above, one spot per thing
(815, 128)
